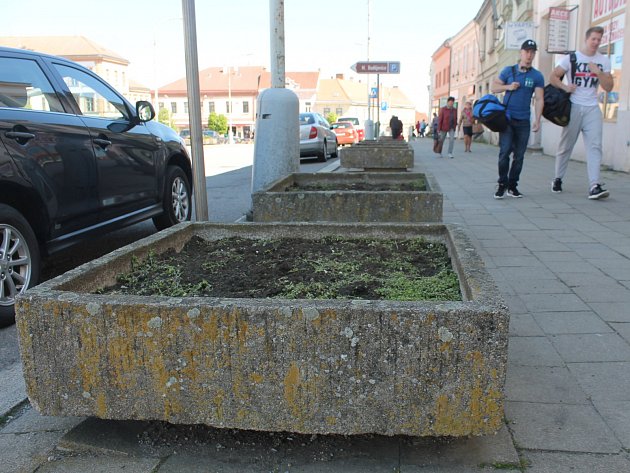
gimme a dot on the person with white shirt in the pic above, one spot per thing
(592, 70)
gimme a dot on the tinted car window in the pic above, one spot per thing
(306, 119)
(24, 85)
(93, 96)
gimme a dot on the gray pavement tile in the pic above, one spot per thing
(583, 279)
(464, 453)
(569, 235)
(526, 273)
(541, 286)
(519, 251)
(617, 416)
(532, 351)
(576, 266)
(517, 261)
(555, 255)
(593, 250)
(199, 463)
(563, 427)
(107, 464)
(550, 223)
(601, 292)
(524, 325)
(553, 303)
(592, 347)
(506, 241)
(612, 311)
(571, 322)
(32, 421)
(560, 462)
(13, 387)
(22, 453)
(547, 384)
(623, 330)
(608, 381)
(515, 305)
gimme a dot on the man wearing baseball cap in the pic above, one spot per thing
(519, 82)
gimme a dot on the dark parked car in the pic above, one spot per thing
(76, 160)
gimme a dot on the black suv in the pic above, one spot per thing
(76, 159)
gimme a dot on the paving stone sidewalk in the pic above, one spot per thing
(562, 263)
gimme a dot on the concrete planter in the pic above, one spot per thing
(381, 155)
(319, 366)
(335, 201)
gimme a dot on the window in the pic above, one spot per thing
(245, 106)
(173, 107)
(326, 111)
(24, 85)
(185, 107)
(210, 107)
(307, 106)
(612, 46)
(93, 97)
(227, 107)
(160, 106)
(339, 111)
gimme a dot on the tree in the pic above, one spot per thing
(218, 123)
(164, 116)
(331, 117)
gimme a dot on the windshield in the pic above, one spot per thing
(341, 125)
(352, 120)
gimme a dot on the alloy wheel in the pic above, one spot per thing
(15, 264)
(180, 199)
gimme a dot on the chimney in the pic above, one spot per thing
(339, 76)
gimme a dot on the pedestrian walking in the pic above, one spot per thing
(520, 82)
(437, 143)
(592, 70)
(447, 124)
(466, 122)
(423, 127)
(396, 127)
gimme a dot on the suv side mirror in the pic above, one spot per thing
(144, 111)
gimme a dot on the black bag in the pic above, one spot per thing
(557, 108)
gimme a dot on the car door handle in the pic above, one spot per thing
(102, 143)
(21, 136)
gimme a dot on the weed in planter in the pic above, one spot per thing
(294, 268)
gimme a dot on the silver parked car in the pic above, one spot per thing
(316, 137)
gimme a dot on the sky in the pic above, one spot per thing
(325, 35)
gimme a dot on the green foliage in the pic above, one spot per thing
(164, 117)
(218, 123)
(331, 117)
(402, 287)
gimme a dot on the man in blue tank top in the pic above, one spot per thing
(519, 82)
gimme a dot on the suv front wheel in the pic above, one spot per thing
(19, 260)
(176, 199)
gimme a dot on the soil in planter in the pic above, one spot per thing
(412, 186)
(295, 268)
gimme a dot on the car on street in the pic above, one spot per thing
(76, 160)
(316, 137)
(357, 125)
(346, 133)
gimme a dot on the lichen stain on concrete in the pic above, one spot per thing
(291, 385)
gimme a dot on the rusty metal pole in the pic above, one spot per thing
(194, 110)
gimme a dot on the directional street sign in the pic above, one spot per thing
(376, 67)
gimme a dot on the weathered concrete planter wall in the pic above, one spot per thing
(379, 155)
(322, 366)
(336, 202)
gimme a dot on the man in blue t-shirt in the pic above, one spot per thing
(519, 82)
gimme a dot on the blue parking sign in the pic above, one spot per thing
(383, 106)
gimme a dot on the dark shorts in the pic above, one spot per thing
(468, 130)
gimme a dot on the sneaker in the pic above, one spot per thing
(500, 193)
(513, 192)
(556, 185)
(450, 155)
(597, 192)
